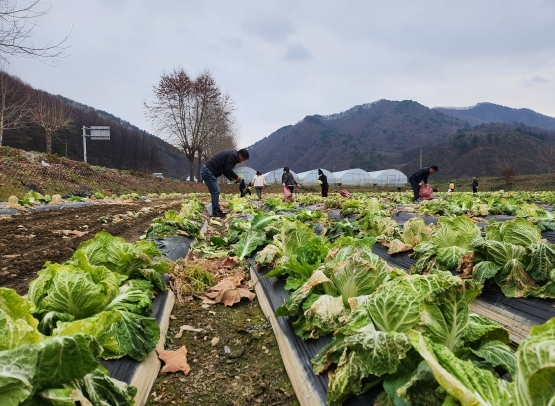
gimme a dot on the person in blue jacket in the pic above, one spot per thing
(222, 163)
(421, 176)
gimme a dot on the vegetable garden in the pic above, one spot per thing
(372, 300)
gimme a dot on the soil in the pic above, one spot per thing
(234, 360)
(30, 239)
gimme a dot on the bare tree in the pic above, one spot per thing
(51, 115)
(217, 131)
(189, 113)
(547, 155)
(508, 169)
(18, 20)
(14, 103)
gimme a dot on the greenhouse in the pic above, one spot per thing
(352, 177)
(310, 177)
(388, 177)
(274, 177)
(248, 173)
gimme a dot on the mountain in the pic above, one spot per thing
(372, 136)
(494, 113)
(391, 134)
(489, 150)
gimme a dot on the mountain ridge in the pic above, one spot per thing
(389, 134)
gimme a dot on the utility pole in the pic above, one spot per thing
(421, 156)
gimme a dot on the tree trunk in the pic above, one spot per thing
(49, 144)
(191, 159)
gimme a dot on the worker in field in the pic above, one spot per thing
(323, 182)
(421, 177)
(474, 184)
(222, 163)
(451, 187)
(259, 182)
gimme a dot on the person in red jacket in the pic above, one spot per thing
(220, 164)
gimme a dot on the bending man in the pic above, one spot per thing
(420, 176)
(220, 164)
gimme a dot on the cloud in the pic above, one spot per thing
(234, 42)
(269, 28)
(297, 52)
(534, 81)
(539, 79)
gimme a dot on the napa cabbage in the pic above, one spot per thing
(36, 370)
(296, 251)
(447, 245)
(140, 260)
(118, 332)
(351, 270)
(17, 326)
(414, 232)
(515, 256)
(68, 288)
(374, 345)
(174, 223)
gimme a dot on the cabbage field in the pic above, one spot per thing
(389, 303)
(404, 292)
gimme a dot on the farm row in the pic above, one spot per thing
(408, 336)
(394, 326)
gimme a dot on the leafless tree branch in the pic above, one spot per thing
(18, 20)
(15, 106)
(192, 114)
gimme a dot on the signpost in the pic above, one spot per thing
(98, 133)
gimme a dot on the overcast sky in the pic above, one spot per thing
(285, 59)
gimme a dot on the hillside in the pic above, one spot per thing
(128, 148)
(371, 137)
(488, 150)
(494, 113)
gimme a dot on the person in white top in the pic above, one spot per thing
(258, 182)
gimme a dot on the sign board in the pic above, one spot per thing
(100, 132)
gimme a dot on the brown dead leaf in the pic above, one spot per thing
(466, 265)
(216, 264)
(174, 360)
(228, 293)
(397, 246)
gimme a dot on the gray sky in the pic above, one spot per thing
(285, 59)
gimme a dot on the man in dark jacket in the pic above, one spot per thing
(421, 176)
(323, 181)
(220, 164)
(474, 184)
